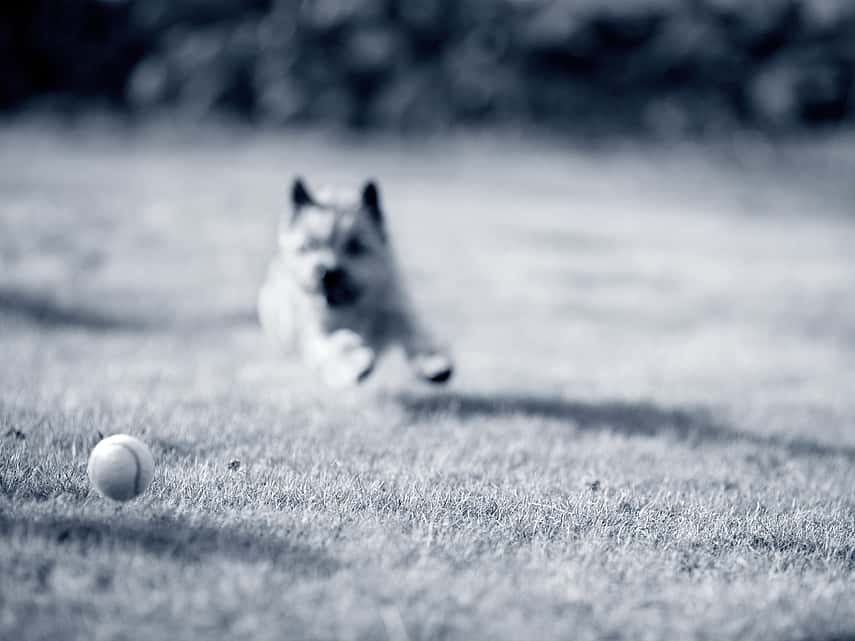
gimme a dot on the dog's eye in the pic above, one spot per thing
(355, 247)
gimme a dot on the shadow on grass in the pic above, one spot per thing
(168, 537)
(49, 313)
(693, 425)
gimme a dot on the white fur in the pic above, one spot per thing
(342, 343)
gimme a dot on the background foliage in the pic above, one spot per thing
(654, 65)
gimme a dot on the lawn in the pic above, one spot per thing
(651, 433)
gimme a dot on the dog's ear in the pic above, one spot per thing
(300, 197)
(371, 205)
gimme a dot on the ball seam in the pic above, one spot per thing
(138, 472)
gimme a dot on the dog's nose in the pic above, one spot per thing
(332, 278)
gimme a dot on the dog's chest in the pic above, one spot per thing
(360, 320)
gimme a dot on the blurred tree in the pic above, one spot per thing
(661, 65)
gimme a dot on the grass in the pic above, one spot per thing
(651, 436)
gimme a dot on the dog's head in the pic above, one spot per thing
(336, 244)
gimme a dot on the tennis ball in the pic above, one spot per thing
(120, 467)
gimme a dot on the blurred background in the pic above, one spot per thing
(580, 66)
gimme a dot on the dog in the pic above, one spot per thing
(334, 293)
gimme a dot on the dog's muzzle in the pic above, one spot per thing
(338, 289)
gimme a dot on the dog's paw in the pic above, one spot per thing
(351, 361)
(434, 368)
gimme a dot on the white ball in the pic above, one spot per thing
(120, 467)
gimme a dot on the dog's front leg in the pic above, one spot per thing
(343, 358)
(427, 358)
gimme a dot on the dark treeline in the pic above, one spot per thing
(680, 65)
